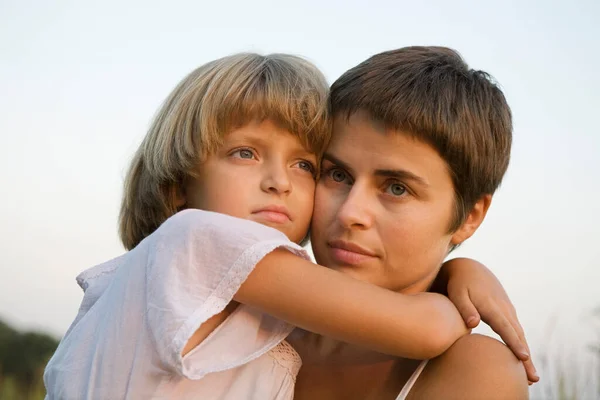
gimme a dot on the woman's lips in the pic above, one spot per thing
(348, 253)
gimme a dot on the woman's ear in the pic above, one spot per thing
(473, 220)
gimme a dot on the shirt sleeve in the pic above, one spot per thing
(93, 281)
(195, 265)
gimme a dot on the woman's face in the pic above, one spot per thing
(383, 206)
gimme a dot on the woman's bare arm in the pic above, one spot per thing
(475, 367)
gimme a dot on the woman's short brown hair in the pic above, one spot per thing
(212, 100)
(431, 94)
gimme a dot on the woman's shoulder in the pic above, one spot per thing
(474, 367)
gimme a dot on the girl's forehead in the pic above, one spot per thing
(313, 136)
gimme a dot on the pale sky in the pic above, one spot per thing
(79, 84)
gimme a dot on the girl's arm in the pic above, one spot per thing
(199, 263)
(331, 303)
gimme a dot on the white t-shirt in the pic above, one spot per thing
(139, 310)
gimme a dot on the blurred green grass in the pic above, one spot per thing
(23, 356)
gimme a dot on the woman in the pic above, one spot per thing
(420, 144)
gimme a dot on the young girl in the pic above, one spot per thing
(237, 145)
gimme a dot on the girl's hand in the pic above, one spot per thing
(478, 295)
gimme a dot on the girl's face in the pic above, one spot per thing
(261, 173)
(383, 207)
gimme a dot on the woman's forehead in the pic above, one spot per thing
(364, 147)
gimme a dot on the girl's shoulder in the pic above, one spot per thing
(99, 273)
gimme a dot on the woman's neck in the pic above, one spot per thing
(337, 370)
(315, 349)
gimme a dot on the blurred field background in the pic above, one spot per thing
(80, 82)
(565, 376)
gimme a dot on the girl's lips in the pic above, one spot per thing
(272, 216)
(274, 213)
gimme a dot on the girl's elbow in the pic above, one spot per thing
(446, 327)
(438, 342)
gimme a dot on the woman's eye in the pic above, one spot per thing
(243, 153)
(396, 189)
(338, 175)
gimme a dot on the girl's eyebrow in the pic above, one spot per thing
(256, 139)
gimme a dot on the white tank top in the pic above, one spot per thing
(411, 381)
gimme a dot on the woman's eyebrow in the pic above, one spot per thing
(337, 161)
(401, 174)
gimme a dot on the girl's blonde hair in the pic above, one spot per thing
(211, 101)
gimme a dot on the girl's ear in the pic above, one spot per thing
(178, 193)
(473, 220)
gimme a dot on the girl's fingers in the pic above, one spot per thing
(465, 307)
(532, 374)
(503, 327)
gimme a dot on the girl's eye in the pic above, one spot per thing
(307, 166)
(243, 153)
(396, 189)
